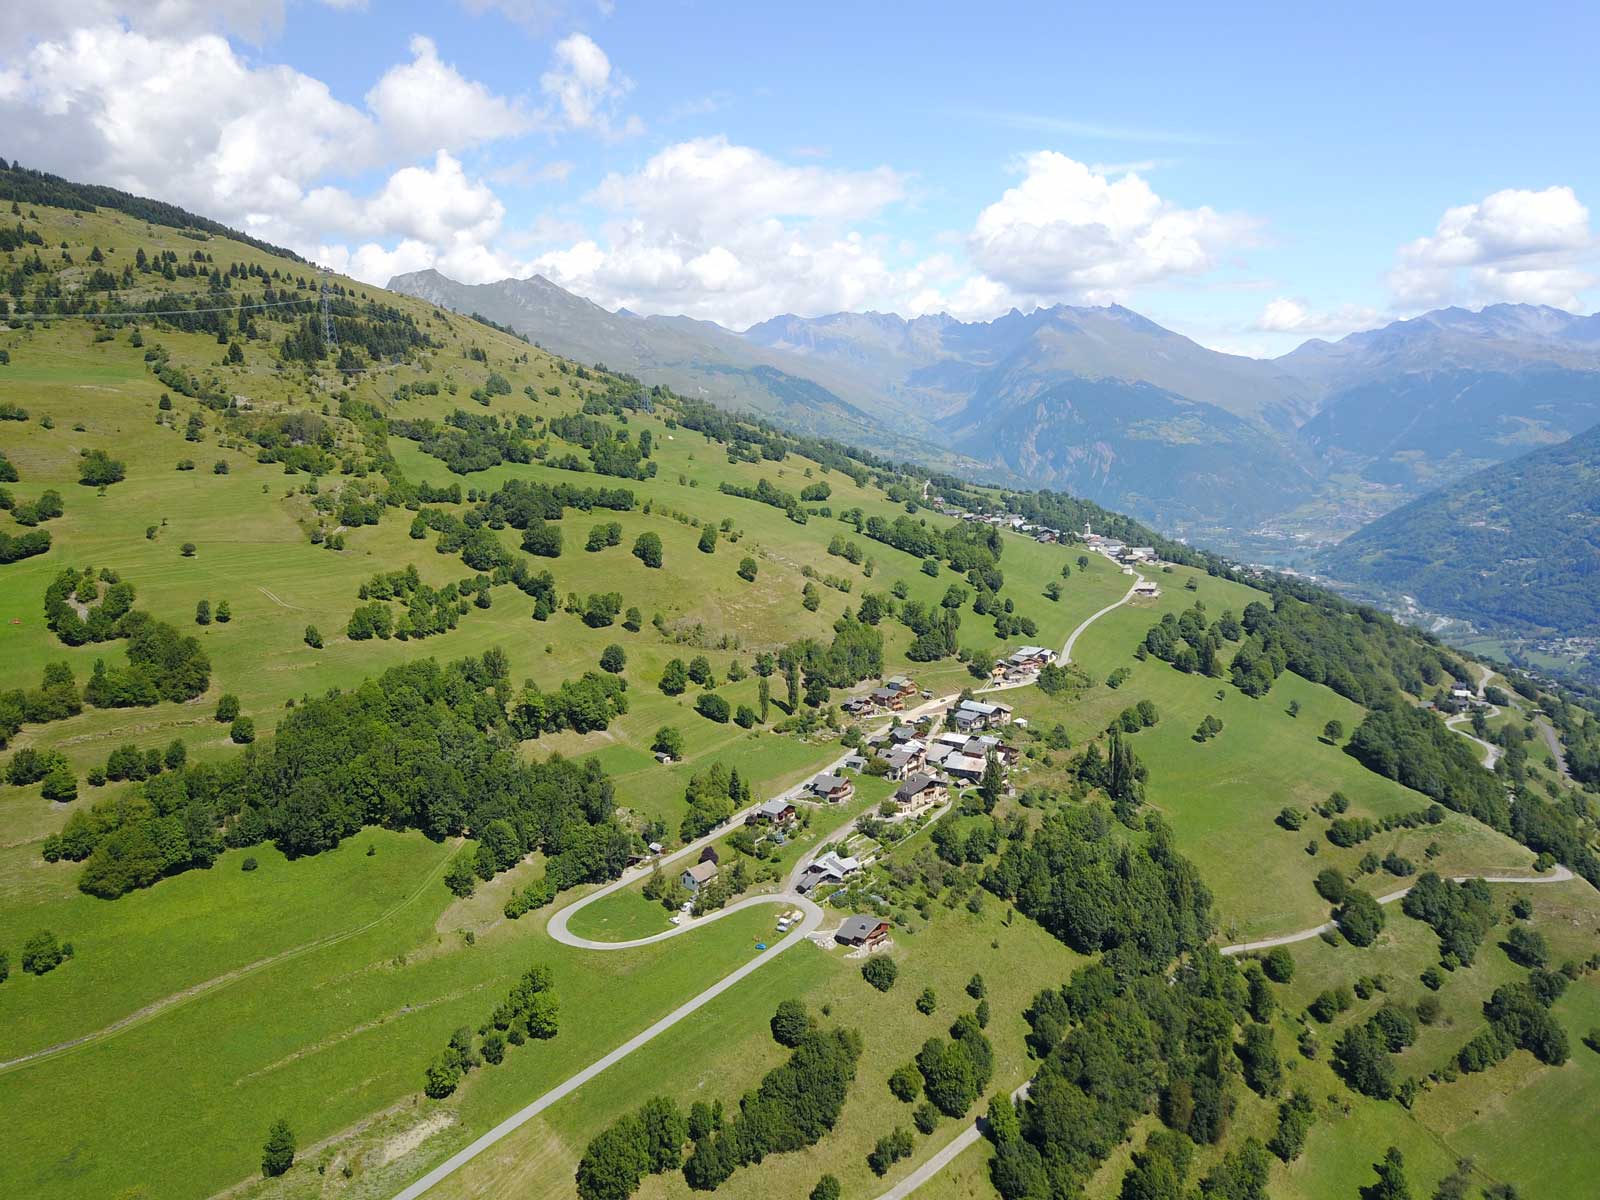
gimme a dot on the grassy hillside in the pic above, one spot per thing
(238, 983)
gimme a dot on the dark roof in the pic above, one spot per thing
(857, 928)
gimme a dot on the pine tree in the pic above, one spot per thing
(277, 1156)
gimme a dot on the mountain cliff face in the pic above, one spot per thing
(1515, 546)
(1112, 405)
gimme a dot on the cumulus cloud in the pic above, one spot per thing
(1067, 233)
(1285, 314)
(427, 104)
(255, 21)
(183, 116)
(1514, 245)
(725, 232)
(583, 88)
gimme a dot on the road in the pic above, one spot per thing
(1553, 744)
(1557, 874)
(947, 1155)
(1072, 638)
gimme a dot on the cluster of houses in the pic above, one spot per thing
(1022, 664)
(891, 697)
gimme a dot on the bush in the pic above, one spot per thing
(61, 784)
(613, 659)
(42, 953)
(249, 863)
(313, 637)
(98, 469)
(905, 1082)
(747, 572)
(1360, 918)
(927, 1001)
(891, 1148)
(880, 971)
(926, 1117)
(227, 707)
(242, 731)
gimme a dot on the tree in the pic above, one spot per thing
(713, 707)
(224, 612)
(1527, 947)
(708, 539)
(647, 549)
(227, 707)
(1360, 917)
(98, 469)
(992, 786)
(700, 671)
(42, 953)
(747, 572)
(542, 539)
(905, 1082)
(242, 731)
(675, 678)
(462, 877)
(763, 697)
(1333, 731)
(202, 613)
(1279, 964)
(187, 550)
(313, 637)
(1391, 1183)
(277, 1154)
(61, 785)
(1263, 1073)
(613, 659)
(790, 1023)
(880, 972)
(668, 741)
(891, 1148)
(827, 1189)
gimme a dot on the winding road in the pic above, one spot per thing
(1557, 874)
(1072, 638)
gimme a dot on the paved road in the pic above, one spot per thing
(1491, 752)
(1553, 744)
(1072, 638)
(947, 1155)
(1558, 874)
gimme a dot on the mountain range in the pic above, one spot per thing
(1263, 455)
(1515, 546)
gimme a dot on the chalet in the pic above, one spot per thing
(887, 697)
(902, 734)
(832, 788)
(862, 931)
(901, 683)
(773, 812)
(697, 876)
(1147, 589)
(987, 715)
(1140, 554)
(827, 868)
(1031, 658)
(858, 706)
(920, 792)
(939, 751)
(855, 762)
(958, 740)
(912, 756)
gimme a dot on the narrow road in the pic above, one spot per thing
(1491, 752)
(1072, 638)
(947, 1155)
(1553, 744)
(1557, 874)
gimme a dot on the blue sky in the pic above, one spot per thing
(1250, 175)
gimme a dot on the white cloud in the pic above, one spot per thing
(426, 104)
(583, 88)
(724, 232)
(1285, 314)
(185, 117)
(256, 21)
(1066, 233)
(1514, 245)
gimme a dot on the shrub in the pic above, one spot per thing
(905, 1082)
(249, 864)
(242, 731)
(927, 1001)
(42, 953)
(747, 572)
(613, 659)
(880, 971)
(1279, 964)
(892, 1147)
(790, 1023)
(227, 707)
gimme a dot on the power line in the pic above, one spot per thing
(169, 312)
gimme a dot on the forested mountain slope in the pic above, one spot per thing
(1513, 546)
